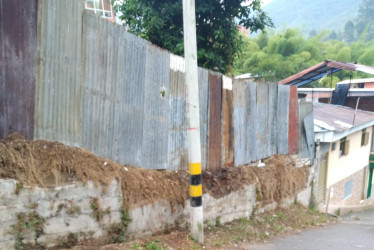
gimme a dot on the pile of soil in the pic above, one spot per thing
(279, 179)
(49, 164)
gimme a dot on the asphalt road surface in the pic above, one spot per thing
(355, 231)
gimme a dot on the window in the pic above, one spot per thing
(348, 186)
(102, 7)
(344, 146)
(364, 137)
(333, 146)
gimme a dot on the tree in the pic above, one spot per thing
(365, 18)
(366, 11)
(218, 39)
(344, 55)
(349, 32)
(367, 58)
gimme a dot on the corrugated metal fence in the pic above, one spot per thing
(119, 96)
(18, 22)
(262, 121)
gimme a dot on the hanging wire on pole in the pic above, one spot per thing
(193, 114)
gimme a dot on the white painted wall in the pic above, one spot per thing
(346, 165)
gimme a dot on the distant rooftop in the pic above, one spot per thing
(340, 118)
(363, 80)
(333, 122)
(323, 69)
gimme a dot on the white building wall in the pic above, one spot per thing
(346, 165)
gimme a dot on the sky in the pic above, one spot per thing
(265, 2)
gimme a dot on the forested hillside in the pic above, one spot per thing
(273, 57)
(276, 54)
(314, 15)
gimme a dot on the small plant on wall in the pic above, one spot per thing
(27, 223)
(118, 231)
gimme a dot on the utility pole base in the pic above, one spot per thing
(197, 224)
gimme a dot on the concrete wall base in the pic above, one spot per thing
(68, 209)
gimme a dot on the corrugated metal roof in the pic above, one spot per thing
(323, 69)
(339, 118)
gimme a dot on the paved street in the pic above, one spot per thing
(355, 231)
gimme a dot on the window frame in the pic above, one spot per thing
(348, 189)
(342, 147)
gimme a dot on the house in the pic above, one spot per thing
(365, 83)
(345, 136)
(102, 7)
(325, 94)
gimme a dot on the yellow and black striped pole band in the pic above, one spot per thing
(196, 188)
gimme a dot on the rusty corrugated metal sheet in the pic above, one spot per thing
(227, 128)
(293, 132)
(18, 35)
(215, 111)
(58, 110)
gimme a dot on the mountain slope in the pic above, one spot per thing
(312, 15)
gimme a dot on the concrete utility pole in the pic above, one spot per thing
(193, 114)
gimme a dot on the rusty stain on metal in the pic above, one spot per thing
(227, 128)
(18, 29)
(215, 110)
(293, 132)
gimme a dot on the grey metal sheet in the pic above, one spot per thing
(305, 108)
(156, 109)
(131, 73)
(309, 129)
(58, 71)
(177, 143)
(283, 118)
(240, 123)
(100, 98)
(204, 113)
(262, 121)
(251, 123)
(272, 119)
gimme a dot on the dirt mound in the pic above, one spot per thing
(47, 164)
(278, 180)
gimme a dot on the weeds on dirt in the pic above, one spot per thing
(263, 226)
(257, 228)
(70, 241)
(26, 224)
(154, 245)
